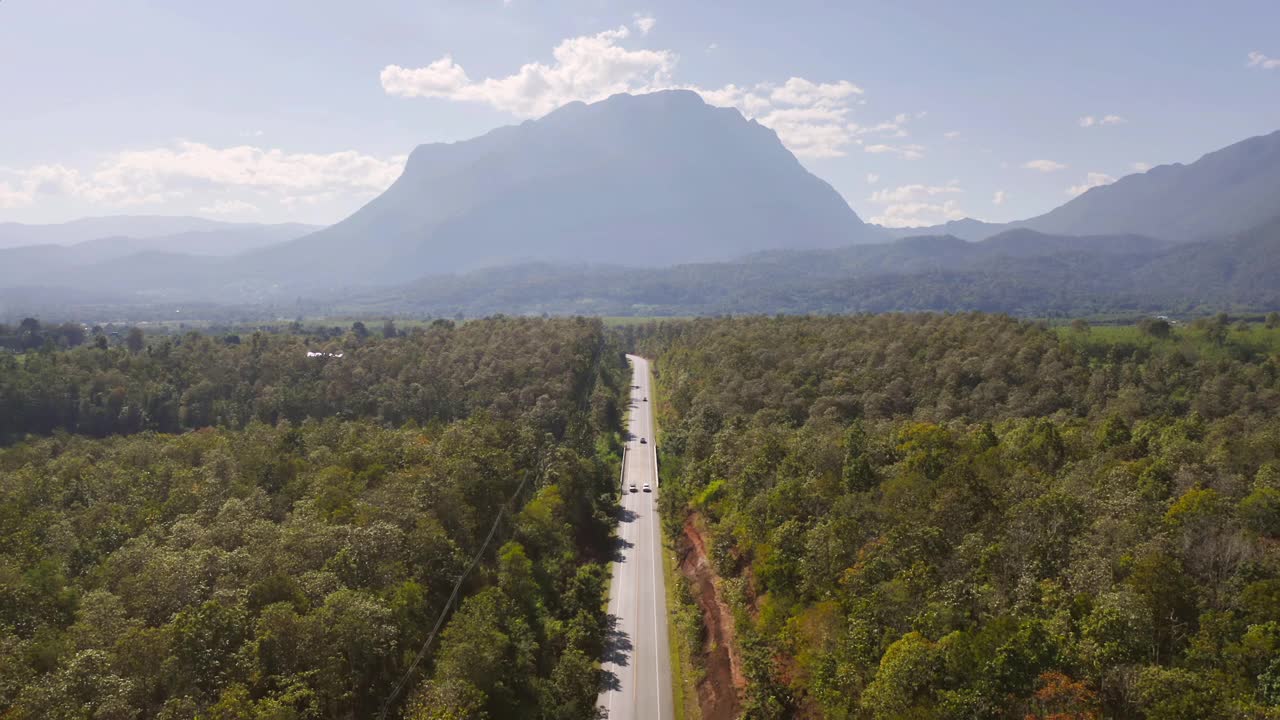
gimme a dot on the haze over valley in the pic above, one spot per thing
(661, 204)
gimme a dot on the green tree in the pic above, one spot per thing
(1179, 694)
(857, 470)
(903, 684)
(1154, 327)
(134, 340)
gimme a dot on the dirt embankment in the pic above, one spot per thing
(720, 691)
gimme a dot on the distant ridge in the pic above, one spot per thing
(136, 227)
(1225, 192)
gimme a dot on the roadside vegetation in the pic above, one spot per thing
(194, 527)
(970, 516)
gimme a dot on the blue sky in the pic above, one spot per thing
(916, 112)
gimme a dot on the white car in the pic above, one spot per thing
(647, 488)
(633, 487)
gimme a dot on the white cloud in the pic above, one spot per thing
(28, 184)
(1258, 60)
(918, 214)
(915, 205)
(712, 47)
(906, 193)
(1091, 121)
(872, 178)
(11, 197)
(206, 175)
(811, 118)
(1043, 165)
(951, 135)
(999, 197)
(230, 207)
(587, 68)
(1141, 166)
(1092, 180)
(644, 23)
(907, 152)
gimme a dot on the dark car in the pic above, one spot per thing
(643, 441)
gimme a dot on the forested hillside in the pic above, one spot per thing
(924, 516)
(1019, 272)
(200, 528)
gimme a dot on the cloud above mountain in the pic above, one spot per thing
(1089, 121)
(1044, 165)
(223, 180)
(916, 205)
(586, 68)
(814, 119)
(1092, 180)
(1258, 60)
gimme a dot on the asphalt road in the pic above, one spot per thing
(637, 668)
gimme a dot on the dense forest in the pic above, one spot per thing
(268, 527)
(911, 516)
(969, 516)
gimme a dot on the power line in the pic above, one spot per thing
(404, 680)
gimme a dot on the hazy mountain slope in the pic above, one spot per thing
(1227, 191)
(1022, 242)
(199, 233)
(185, 262)
(643, 180)
(1243, 270)
(965, 229)
(1224, 192)
(1020, 271)
(218, 242)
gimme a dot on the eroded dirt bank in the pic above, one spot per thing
(720, 691)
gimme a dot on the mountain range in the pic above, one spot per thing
(1224, 192)
(663, 201)
(1019, 272)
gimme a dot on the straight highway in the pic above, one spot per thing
(636, 665)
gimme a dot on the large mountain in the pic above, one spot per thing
(639, 180)
(1225, 192)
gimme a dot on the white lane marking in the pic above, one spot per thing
(656, 549)
(657, 670)
(618, 584)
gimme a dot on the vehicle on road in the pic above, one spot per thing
(643, 441)
(647, 488)
(633, 487)
(646, 399)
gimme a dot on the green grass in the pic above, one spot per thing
(1256, 342)
(623, 320)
